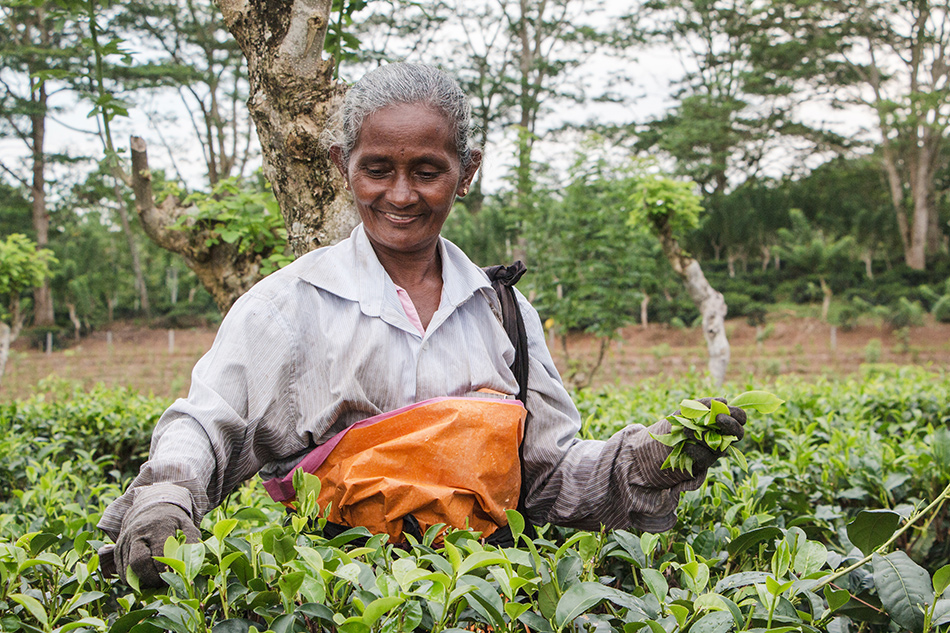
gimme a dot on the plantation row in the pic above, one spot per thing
(845, 473)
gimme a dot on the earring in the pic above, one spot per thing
(346, 185)
(463, 192)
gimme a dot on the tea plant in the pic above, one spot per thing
(839, 524)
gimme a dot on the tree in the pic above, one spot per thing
(587, 274)
(812, 251)
(292, 95)
(194, 56)
(36, 43)
(741, 223)
(671, 208)
(22, 266)
(890, 57)
(738, 95)
(850, 197)
(230, 238)
(484, 63)
(551, 37)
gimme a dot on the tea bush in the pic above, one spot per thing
(838, 524)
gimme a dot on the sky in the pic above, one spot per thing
(160, 118)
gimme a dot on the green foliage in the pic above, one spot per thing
(589, 267)
(670, 205)
(244, 214)
(809, 250)
(941, 309)
(905, 313)
(696, 424)
(340, 40)
(487, 236)
(22, 265)
(771, 547)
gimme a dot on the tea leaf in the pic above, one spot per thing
(714, 622)
(380, 607)
(693, 409)
(577, 600)
(33, 606)
(902, 585)
(761, 401)
(871, 529)
(941, 580)
(836, 598)
(656, 583)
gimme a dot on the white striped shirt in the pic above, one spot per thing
(325, 342)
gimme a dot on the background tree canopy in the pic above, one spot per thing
(748, 129)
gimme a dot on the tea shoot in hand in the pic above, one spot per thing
(696, 424)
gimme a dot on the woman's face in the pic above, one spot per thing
(405, 173)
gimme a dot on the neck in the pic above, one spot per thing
(412, 269)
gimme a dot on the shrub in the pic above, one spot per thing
(941, 309)
(905, 313)
(850, 311)
(770, 544)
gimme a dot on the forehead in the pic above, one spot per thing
(406, 127)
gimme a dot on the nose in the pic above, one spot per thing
(402, 194)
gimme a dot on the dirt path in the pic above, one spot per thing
(144, 360)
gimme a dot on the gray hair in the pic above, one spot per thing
(403, 83)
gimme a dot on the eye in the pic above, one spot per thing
(428, 173)
(376, 170)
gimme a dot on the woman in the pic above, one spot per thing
(390, 317)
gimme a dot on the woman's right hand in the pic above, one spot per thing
(143, 537)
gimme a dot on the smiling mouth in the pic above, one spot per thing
(400, 219)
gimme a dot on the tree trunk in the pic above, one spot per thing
(4, 348)
(713, 307)
(916, 255)
(868, 259)
(711, 304)
(140, 286)
(9, 333)
(42, 296)
(292, 96)
(826, 299)
(223, 270)
(77, 324)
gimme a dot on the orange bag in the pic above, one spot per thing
(445, 460)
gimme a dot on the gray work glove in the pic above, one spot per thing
(143, 536)
(703, 457)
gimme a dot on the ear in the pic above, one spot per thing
(469, 174)
(336, 155)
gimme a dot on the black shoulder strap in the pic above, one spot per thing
(503, 280)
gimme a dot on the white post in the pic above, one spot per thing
(49, 343)
(171, 341)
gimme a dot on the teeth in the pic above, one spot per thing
(399, 217)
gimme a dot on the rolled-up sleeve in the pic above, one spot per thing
(617, 483)
(240, 412)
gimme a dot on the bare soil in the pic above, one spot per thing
(155, 361)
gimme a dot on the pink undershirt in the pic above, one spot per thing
(410, 309)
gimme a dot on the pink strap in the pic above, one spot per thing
(410, 309)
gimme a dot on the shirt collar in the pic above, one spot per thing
(351, 270)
